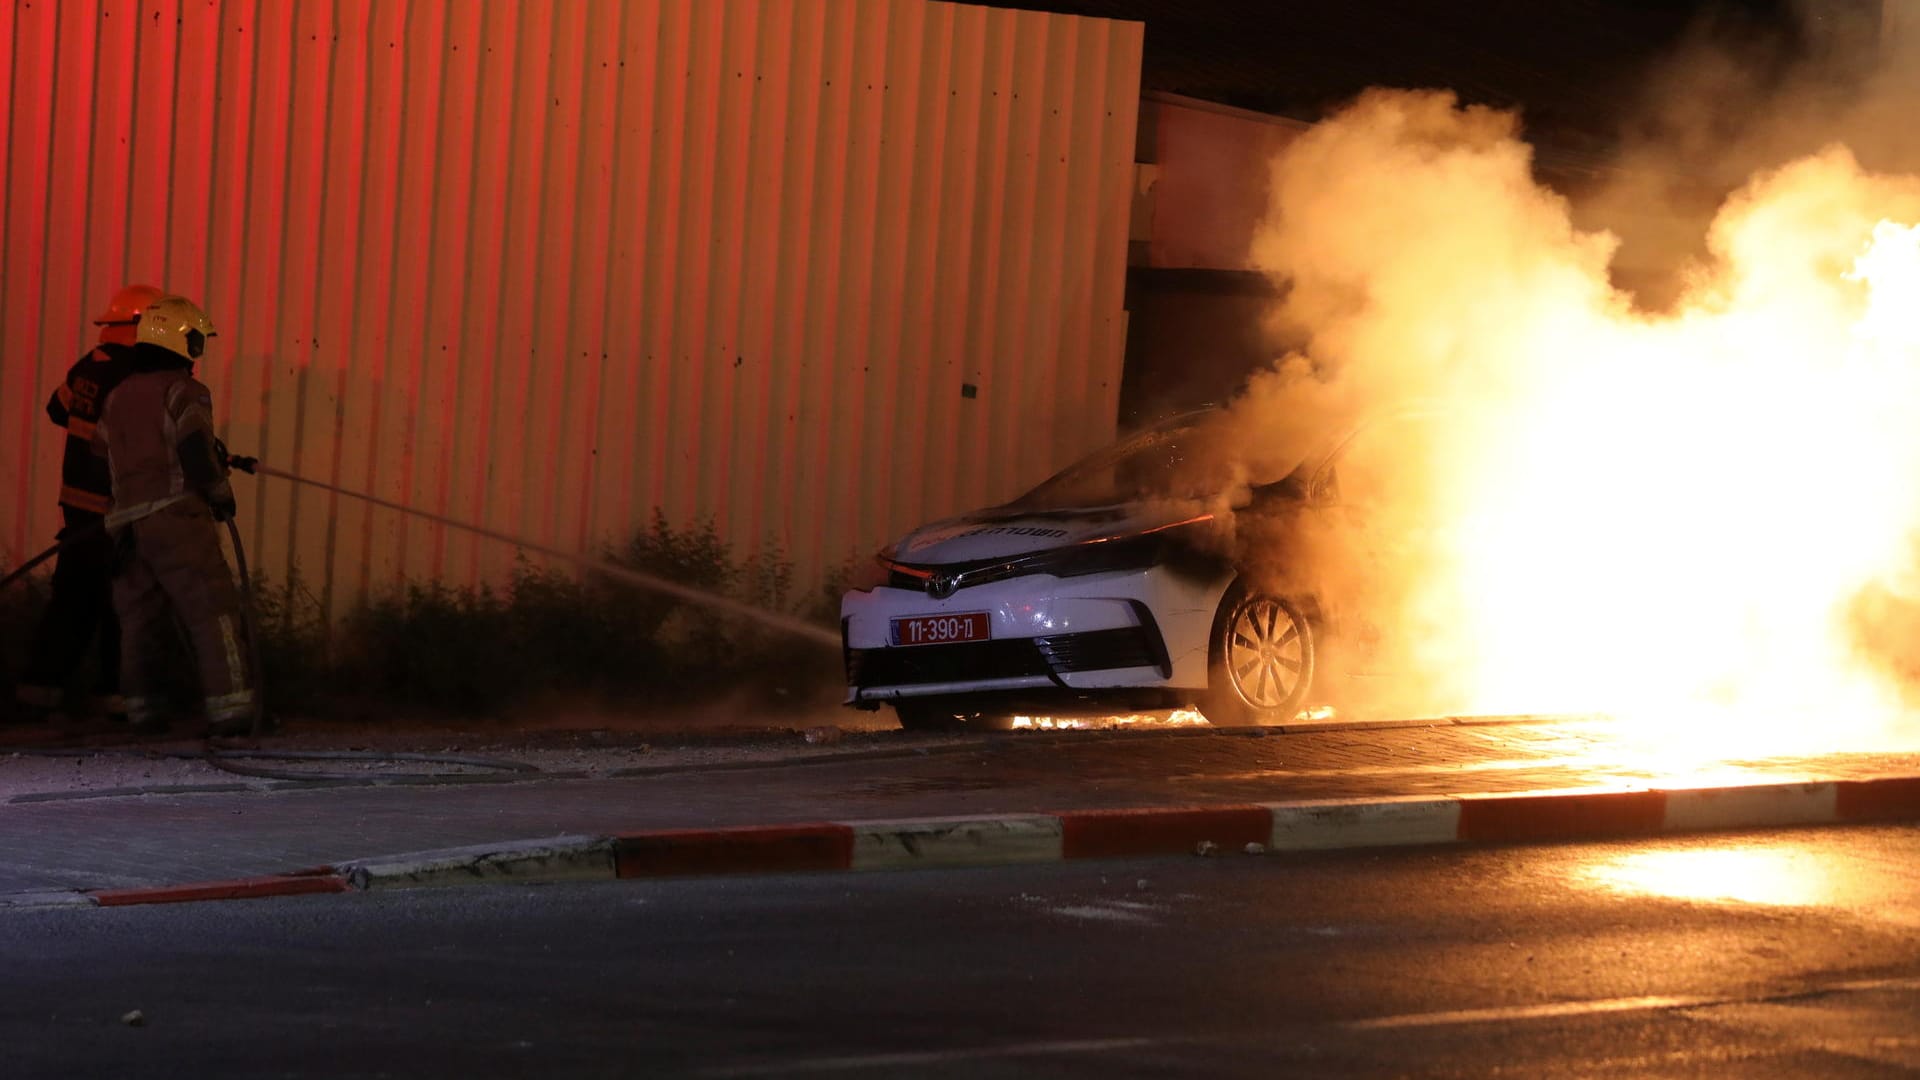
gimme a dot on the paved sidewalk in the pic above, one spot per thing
(169, 838)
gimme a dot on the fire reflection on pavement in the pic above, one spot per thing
(1771, 875)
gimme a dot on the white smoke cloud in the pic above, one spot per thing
(1706, 512)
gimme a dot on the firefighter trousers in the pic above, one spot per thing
(171, 568)
(79, 613)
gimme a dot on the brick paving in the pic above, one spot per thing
(171, 838)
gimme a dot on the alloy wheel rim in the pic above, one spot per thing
(1266, 653)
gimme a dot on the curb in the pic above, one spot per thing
(559, 858)
(242, 889)
(998, 840)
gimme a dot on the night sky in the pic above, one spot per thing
(1573, 67)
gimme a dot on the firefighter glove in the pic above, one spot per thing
(232, 460)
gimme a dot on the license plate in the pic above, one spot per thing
(942, 629)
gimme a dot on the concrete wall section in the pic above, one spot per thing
(1209, 188)
(1200, 313)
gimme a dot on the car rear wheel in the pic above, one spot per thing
(933, 714)
(1260, 661)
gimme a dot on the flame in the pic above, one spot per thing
(1171, 718)
(1166, 719)
(1701, 522)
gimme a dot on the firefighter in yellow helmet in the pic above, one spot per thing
(80, 610)
(158, 434)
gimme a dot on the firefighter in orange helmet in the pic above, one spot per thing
(80, 610)
(158, 434)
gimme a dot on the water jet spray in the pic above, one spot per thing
(775, 620)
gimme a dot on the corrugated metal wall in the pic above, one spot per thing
(547, 266)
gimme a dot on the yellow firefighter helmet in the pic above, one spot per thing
(177, 325)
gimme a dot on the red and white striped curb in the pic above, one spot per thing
(253, 888)
(1561, 815)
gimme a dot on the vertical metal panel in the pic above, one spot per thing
(550, 266)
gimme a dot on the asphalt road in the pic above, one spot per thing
(1759, 955)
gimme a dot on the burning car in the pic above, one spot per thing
(1112, 585)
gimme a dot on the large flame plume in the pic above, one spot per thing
(1702, 520)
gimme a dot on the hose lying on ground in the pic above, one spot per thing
(229, 759)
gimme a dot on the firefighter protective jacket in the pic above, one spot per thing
(158, 432)
(85, 482)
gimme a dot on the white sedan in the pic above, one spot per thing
(1107, 587)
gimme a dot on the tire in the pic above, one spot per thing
(934, 714)
(1260, 660)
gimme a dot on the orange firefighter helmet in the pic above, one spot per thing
(127, 304)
